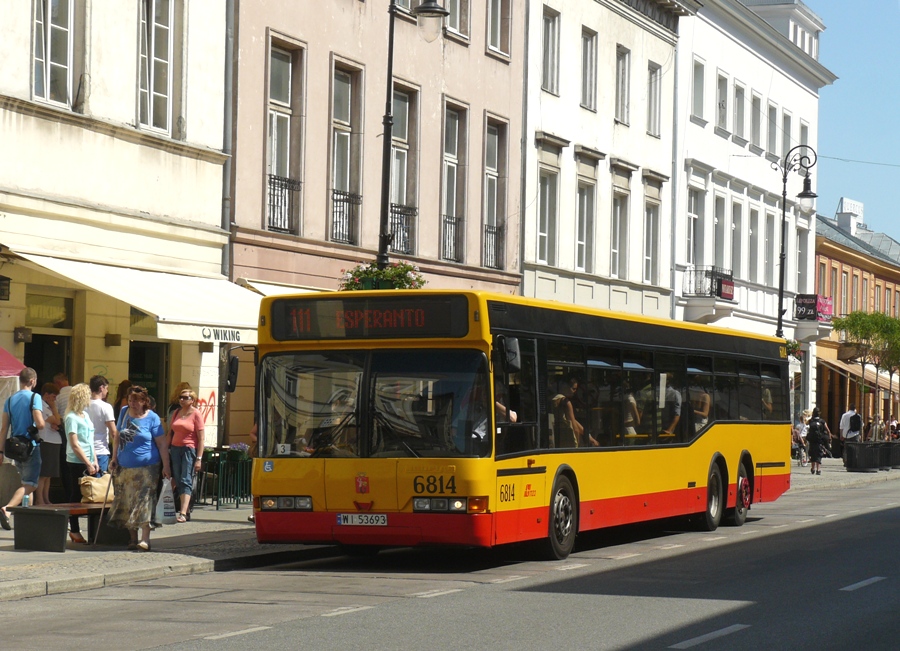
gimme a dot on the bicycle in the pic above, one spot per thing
(800, 452)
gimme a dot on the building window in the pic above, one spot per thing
(753, 257)
(833, 288)
(546, 235)
(887, 300)
(864, 298)
(722, 102)
(770, 250)
(458, 20)
(772, 125)
(550, 66)
(877, 298)
(739, 107)
(785, 133)
(589, 70)
(345, 169)
(282, 168)
(584, 228)
(695, 227)
(618, 239)
(498, 20)
(495, 174)
(802, 260)
(156, 64)
(756, 122)
(453, 208)
(623, 83)
(804, 134)
(651, 242)
(403, 178)
(654, 101)
(53, 50)
(844, 285)
(737, 217)
(697, 94)
(721, 231)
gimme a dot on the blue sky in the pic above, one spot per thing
(858, 113)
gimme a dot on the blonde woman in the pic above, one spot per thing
(186, 432)
(79, 449)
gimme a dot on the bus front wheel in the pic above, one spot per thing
(715, 499)
(563, 525)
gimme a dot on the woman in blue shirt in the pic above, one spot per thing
(141, 451)
(79, 449)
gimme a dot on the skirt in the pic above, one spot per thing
(136, 494)
(50, 453)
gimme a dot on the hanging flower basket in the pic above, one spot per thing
(793, 349)
(238, 452)
(397, 275)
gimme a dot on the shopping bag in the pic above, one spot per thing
(165, 505)
(97, 489)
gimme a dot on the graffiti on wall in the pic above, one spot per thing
(207, 408)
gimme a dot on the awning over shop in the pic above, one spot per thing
(275, 289)
(855, 371)
(187, 308)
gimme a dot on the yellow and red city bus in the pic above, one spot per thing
(399, 418)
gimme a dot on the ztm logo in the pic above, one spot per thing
(529, 491)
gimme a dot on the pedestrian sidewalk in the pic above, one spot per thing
(223, 540)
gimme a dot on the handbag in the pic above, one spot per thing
(94, 489)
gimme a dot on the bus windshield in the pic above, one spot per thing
(390, 403)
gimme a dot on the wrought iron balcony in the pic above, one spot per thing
(493, 246)
(709, 281)
(402, 223)
(344, 216)
(284, 195)
(451, 238)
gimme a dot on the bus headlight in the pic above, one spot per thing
(440, 504)
(286, 503)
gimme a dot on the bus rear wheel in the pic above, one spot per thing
(563, 524)
(715, 499)
(738, 515)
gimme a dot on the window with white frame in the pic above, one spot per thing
(547, 216)
(786, 142)
(695, 227)
(458, 19)
(823, 270)
(584, 228)
(498, 23)
(737, 218)
(740, 101)
(651, 242)
(618, 240)
(864, 297)
(804, 133)
(623, 83)
(834, 287)
(588, 69)
(654, 99)
(770, 248)
(877, 297)
(697, 89)
(722, 102)
(550, 60)
(887, 300)
(345, 175)
(53, 50)
(754, 253)
(401, 131)
(282, 150)
(495, 174)
(802, 260)
(453, 199)
(721, 231)
(341, 129)
(845, 284)
(756, 121)
(772, 126)
(156, 64)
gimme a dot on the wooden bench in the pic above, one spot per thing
(45, 528)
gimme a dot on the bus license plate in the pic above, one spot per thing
(363, 519)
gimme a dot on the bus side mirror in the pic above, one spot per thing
(231, 379)
(511, 357)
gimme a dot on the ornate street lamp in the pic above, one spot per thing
(429, 16)
(801, 159)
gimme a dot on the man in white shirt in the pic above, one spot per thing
(61, 380)
(851, 426)
(101, 413)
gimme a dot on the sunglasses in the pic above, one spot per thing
(185, 398)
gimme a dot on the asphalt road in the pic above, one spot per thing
(814, 570)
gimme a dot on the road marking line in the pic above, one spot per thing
(673, 546)
(687, 644)
(433, 593)
(346, 610)
(778, 526)
(713, 539)
(255, 629)
(573, 566)
(747, 532)
(832, 515)
(622, 557)
(806, 520)
(508, 579)
(863, 584)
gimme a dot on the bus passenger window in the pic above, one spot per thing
(700, 394)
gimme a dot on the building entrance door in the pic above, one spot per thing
(48, 355)
(147, 368)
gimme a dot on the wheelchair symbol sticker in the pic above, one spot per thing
(268, 466)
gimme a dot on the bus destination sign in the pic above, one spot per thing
(370, 318)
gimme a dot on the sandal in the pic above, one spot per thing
(180, 517)
(4, 519)
(132, 545)
(143, 547)
(77, 538)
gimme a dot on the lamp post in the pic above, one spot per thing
(801, 159)
(429, 15)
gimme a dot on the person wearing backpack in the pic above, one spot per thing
(851, 427)
(819, 437)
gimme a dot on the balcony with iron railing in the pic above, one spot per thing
(493, 246)
(344, 216)
(284, 198)
(402, 220)
(709, 292)
(451, 238)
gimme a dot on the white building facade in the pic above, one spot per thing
(111, 119)
(747, 96)
(598, 149)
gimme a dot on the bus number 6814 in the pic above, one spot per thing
(434, 484)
